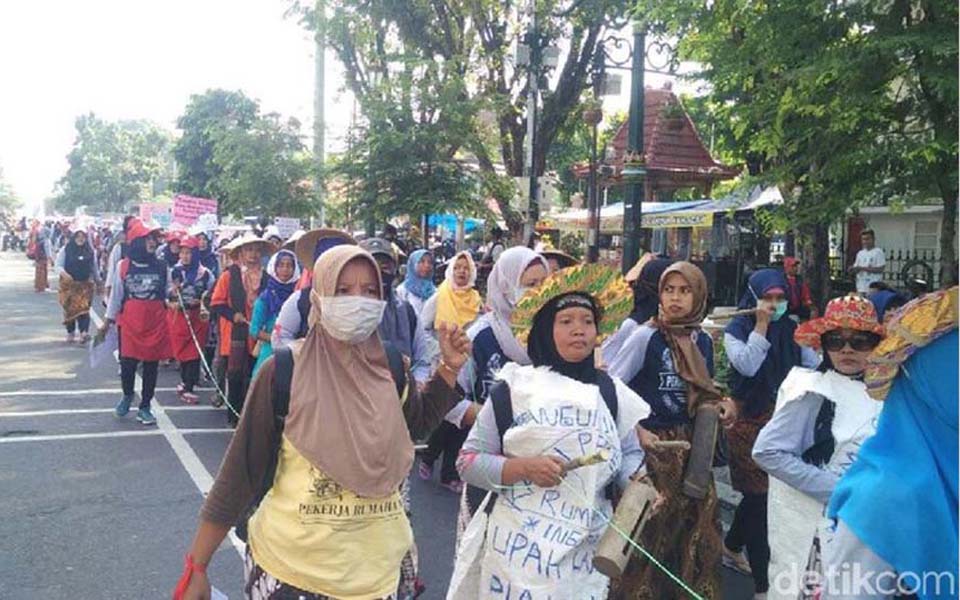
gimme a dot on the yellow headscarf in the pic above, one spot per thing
(459, 306)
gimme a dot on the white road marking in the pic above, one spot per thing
(92, 411)
(102, 435)
(116, 391)
(184, 451)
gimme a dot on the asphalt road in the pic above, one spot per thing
(96, 507)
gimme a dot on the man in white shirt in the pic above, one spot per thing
(868, 266)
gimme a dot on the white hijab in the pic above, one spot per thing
(503, 292)
(448, 274)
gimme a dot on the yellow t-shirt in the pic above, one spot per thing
(312, 533)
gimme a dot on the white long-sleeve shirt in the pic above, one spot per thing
(747, 357)
(783, 440)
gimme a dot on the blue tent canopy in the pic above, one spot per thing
(449, 222)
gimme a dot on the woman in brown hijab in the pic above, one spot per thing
(669, 362)
(332, 524)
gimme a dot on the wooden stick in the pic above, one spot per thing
(664, 444)
(585, 461)
(737, 313)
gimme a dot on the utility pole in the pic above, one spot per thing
(320, 40)
(533, 97)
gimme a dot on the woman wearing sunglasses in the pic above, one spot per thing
(822, 417)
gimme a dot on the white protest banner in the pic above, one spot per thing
(187, 209)
(208, 222)
(286, 226)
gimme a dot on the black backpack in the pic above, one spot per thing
(503, 413)
(280, 399)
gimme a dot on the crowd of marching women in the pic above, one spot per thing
(578, 414)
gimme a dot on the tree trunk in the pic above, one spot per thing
(816, 264)
(948, 236)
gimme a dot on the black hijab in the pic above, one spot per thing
(78, 259)
(646, 290)
(137, 251)
(542, 348)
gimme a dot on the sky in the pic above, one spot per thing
(126, 59)
(133, 59)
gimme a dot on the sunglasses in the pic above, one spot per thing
(860, 341)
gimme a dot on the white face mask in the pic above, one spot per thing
(350, 319)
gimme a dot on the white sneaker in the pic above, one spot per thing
(70, 338)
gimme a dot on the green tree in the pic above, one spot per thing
(265, 168)
(462, 51)
(573, 147)
(248, 161)
(838, 105)
(206, 118)
(9, 202)
(114, 165)
(403, 157)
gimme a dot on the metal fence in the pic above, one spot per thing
(902, 267)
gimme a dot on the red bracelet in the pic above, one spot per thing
(189, 568)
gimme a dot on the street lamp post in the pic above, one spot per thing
(611, 50)
(633, 203)
(592, 115)
(533, 98)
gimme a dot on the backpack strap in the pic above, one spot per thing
(122, 270)
(608, 391)
(282, 377)
(280, 400)
(303, 307)
(238, 295)
(503, 413)
(502, 407)
(412, 318)
(397, 369)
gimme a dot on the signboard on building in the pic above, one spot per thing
(678, 219)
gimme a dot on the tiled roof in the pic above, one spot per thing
(671, 143)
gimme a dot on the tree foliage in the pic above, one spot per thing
(9, 201)
(204, 120)
(264, 169)
(450, 63)
(248, 161)
(839, 103)
(114, 165)
(403, 156)
(573, 146)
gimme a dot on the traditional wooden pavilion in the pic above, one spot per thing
(674, 155)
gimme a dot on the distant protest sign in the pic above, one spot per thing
(286, 226)
(155, 212)
(187, 209)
